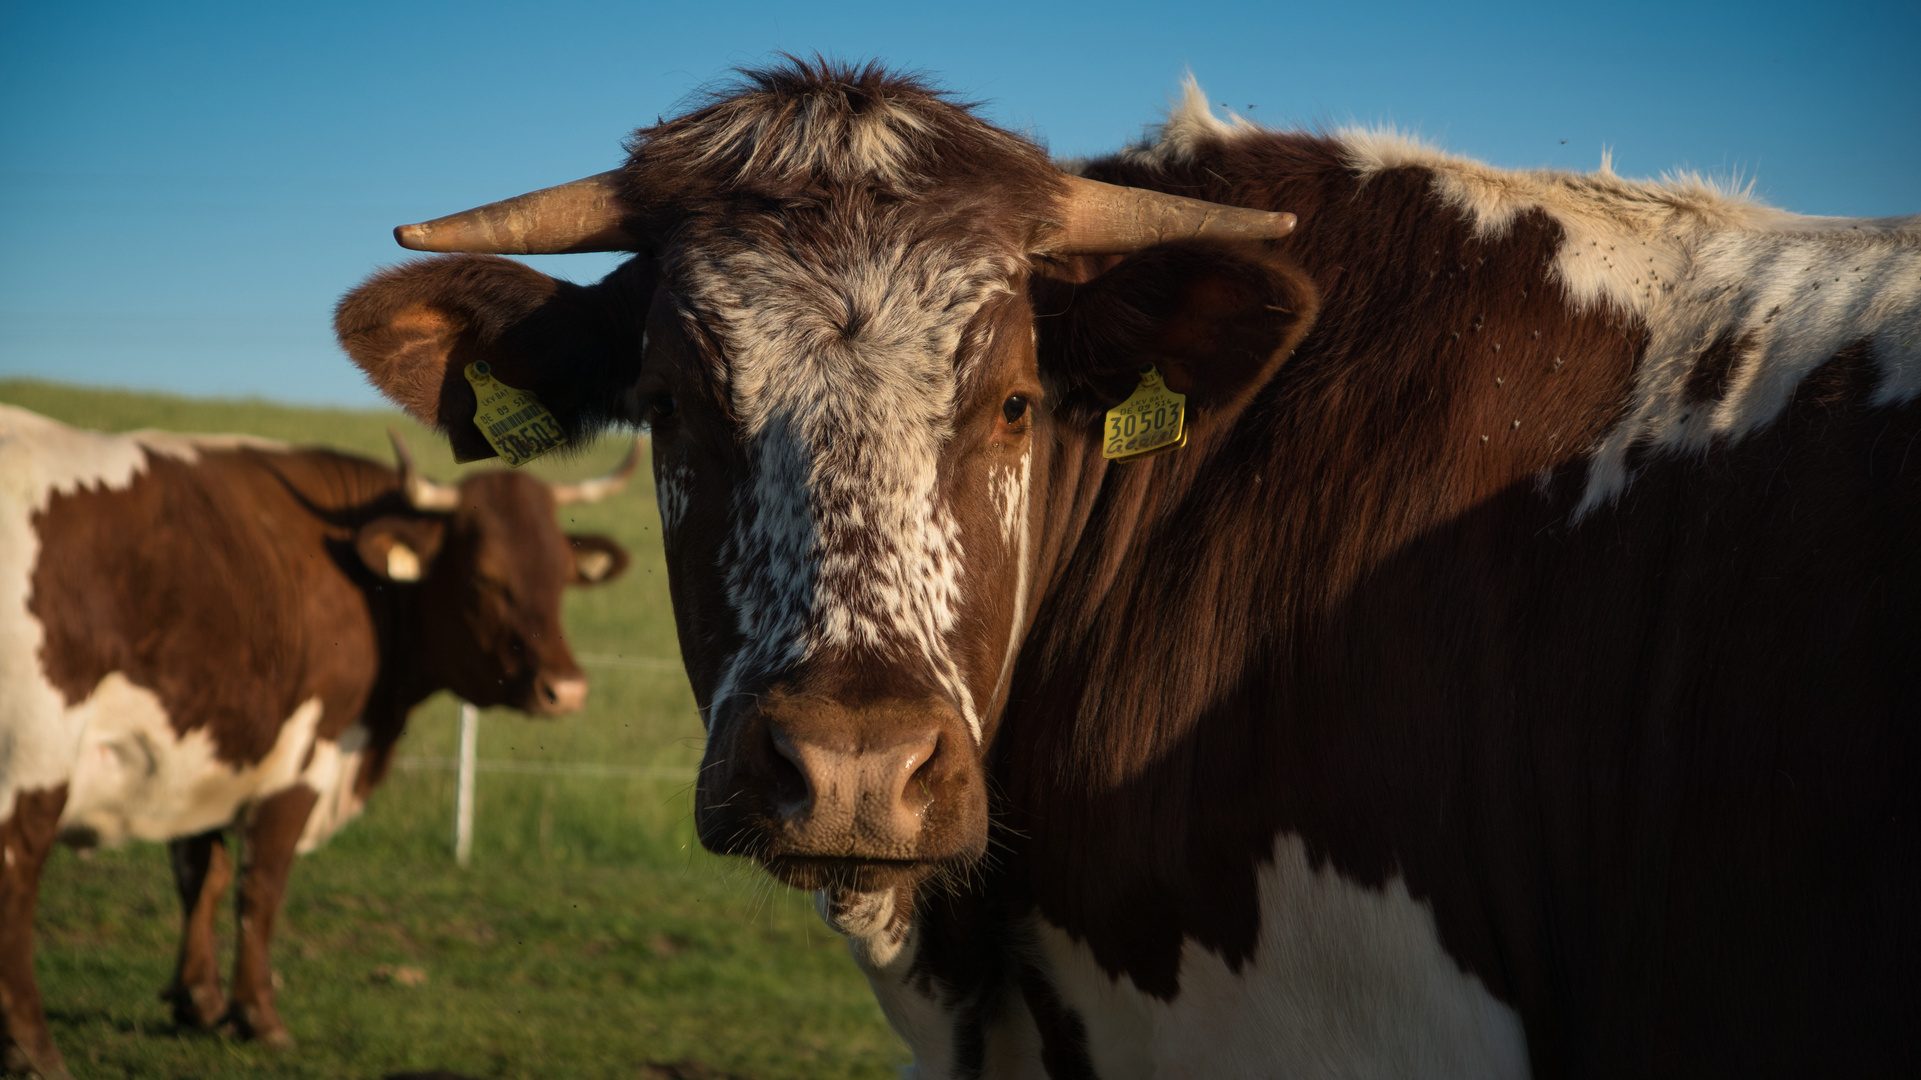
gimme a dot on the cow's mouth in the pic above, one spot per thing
(813, 872)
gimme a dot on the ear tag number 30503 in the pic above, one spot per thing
(514, 422)
(1153, 420)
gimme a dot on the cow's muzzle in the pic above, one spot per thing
(824, 793)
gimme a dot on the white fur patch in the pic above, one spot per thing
(333, 773)
(842, 372)
(1190, 124)
(1013, 496)
(40, 458)
(1696, 263)
(136, 777)
(1009, 488)
(1345, 981)
(883, 947)
(671, 492)
(402, 563)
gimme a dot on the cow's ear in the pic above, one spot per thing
(597, 560)
(414, 329)
(1216, 319)
(400, 548)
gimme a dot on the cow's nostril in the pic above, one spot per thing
(919, 792)
(560, 695)
(791, 790)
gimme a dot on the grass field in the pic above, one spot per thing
(591, 937)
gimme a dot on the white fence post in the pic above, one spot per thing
(464, 786)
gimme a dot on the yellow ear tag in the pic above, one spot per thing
(1153, 420)
(515, 423)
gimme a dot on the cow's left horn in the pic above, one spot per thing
(422, 493)
(600, 487)
(1108, 219)
(584, 215)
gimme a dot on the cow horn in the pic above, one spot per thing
(1108, 219)
(584, 215)
(422, 493)
(588, 491)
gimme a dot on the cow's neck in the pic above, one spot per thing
(1171, 711)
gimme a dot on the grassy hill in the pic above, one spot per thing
(591, 937)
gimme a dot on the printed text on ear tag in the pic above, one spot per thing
(1153, 420)
(514, 422)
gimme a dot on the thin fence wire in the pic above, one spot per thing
(467, 764)
(631, 663)
(558, 768)
(419, 763)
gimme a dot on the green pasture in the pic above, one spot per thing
(591, 937)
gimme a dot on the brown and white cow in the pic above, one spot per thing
(1514, 673)
(203, 631)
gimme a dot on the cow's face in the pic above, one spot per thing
(872, 401)
(845, 454)
(488, 566)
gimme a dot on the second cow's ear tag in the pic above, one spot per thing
(514, 422)
(1153, 420)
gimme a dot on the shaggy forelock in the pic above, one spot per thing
(803, 132)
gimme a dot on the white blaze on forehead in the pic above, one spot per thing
(842, 372)
(1696, 264)
(41, 458)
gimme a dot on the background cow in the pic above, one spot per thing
(199, 631)
(1513, 672)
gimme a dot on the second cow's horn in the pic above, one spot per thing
(600, 487)
(584, 215)
(422, 493)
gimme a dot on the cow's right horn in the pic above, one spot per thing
(1108, 219)
(584, 215)
(422, 493)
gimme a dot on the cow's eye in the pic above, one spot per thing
(1014, 408)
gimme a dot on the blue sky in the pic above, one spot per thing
(185, 189)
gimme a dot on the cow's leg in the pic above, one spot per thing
(201, 871)
(25, 840)
(271, 832)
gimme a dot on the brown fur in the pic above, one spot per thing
(1557, 734)
(25, 839)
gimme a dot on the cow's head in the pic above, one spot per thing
(487, 565)
(873, 338)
